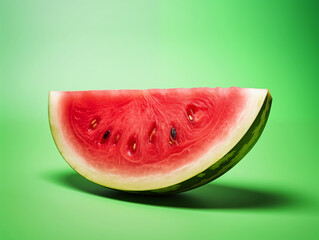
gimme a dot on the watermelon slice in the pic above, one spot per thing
(157, 141)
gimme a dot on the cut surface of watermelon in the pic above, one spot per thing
(157, 139)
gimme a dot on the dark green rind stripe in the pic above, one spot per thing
(225, 163)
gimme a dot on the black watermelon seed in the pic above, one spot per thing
(173, 133)
(106, 134)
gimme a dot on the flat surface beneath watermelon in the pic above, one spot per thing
(123, 139)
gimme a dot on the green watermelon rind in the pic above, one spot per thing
(225, 163)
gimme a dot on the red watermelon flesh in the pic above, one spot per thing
(140, 140)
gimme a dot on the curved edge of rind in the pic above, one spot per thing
(53, 126)
(225, 163)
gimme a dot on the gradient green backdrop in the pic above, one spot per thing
(79, 45)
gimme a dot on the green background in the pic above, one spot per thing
(79, 45)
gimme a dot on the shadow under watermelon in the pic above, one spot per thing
(209, 196)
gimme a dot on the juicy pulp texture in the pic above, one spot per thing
(123, 139)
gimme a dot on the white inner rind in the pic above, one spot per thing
(255, 99)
